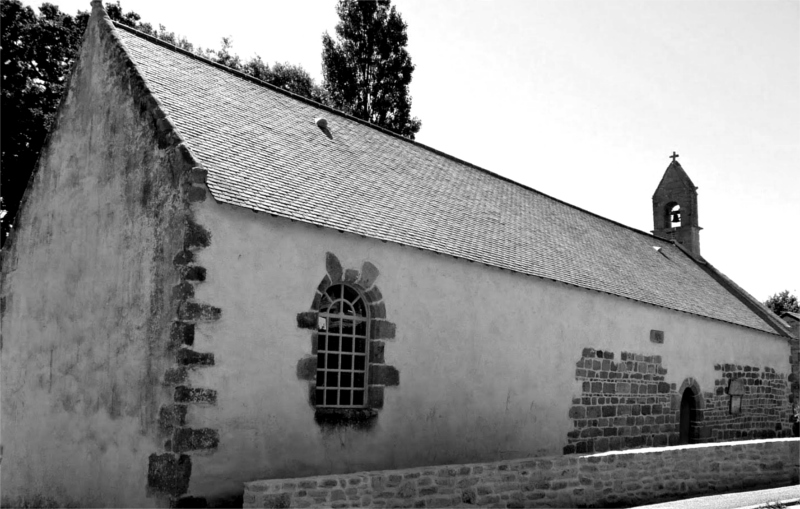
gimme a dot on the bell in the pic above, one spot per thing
(676, 216)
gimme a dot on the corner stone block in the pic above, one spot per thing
(183, 291)
(181, 333)
(169, 474)
(377, 310)
(189, 439)
(381, 374)
(183, 258)
(171, 417)
(307, 368)
(198, 311)
(307, 320)
(198, 176)
(194, 273)
(381, 329)
(333, 267)
(196, 236)
(369, 273)
(176, 375)
(196, 194)
(188, 357)
(185, 394)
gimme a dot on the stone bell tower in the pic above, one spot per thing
(675, 208)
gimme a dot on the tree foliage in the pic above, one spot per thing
(782, 302)
(37, 52)
(367, 70)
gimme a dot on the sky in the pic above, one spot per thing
(584, 100)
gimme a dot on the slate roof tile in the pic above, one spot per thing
(263, 151)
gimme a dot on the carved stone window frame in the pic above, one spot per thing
(379, 375)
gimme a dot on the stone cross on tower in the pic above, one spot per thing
(674, 156)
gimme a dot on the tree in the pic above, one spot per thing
(782, 302)
(36, 55)
(367, 69)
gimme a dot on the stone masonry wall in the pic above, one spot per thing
(624, 404)
(765, 406)
(608, 479)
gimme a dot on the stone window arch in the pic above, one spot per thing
(360, 304)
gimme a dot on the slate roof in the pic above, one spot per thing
(263, 151)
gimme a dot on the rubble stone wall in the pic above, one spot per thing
(608, 479)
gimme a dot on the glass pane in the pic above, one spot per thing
(333, 361)
(330, 397)
(359, 362)
(358, 397)
(344, 397)
(324, 302)
(358, 379)
(322, 323)
(331, 379)
(361, 328)
(347, 309)
(321, 342)
(347, 362)
(333, 343)
(350, 294)
(335, 292)
(320, 378)
(333, 325)
(347, 344)
(347, 326)
(320, 360)
(345, 380)
(320, 397)
(335, 308)
(359, 307)
(361, 345)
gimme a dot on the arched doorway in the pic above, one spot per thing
(688, 412)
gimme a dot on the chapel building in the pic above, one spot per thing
(210, 285)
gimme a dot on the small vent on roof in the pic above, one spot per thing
(657, 248)
(321, 123)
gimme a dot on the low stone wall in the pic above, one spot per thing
(618, 478)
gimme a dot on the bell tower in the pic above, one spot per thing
(675, 208)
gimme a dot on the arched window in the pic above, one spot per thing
(342, 339)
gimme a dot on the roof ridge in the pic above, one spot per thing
(306, 100)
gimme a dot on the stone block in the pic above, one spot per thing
(181, 333)
(381, 374)
(377, 310)
(307, 368)
(183, 291)
(194, 273)
(176, 375)
(577, 412)
(307, 320)
(277, 501)
(185, 394)
(333, 267)
(375, 395)
(183, 258)
(196, 194)
(190, 439)
(381, 329)
(197, 311)
(168, 474)
(187, 357)
(196, 236)
(171, 417)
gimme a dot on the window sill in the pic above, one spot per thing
(345, 417)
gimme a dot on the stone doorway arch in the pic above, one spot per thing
(690, 414)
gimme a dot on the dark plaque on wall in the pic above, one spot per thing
(657, 336)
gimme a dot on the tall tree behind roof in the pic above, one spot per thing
(367, 69)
